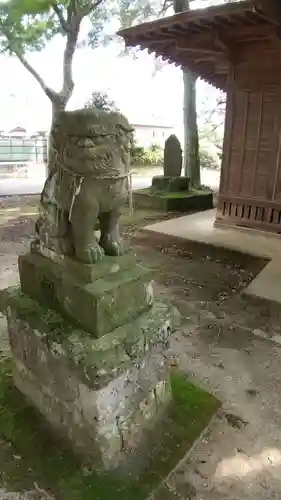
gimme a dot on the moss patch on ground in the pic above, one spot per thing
(34, 456)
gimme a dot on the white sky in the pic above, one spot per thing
(129, 82)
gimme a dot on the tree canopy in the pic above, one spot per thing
(101, 100)
(28, 25)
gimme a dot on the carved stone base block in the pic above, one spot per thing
(170, 184)
(102, 394)
(99, 297)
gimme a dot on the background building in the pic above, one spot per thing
(152, 133)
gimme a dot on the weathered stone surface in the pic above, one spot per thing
(176, 203)
(170, 184)
(100, 394)
(99, 305)
(88, 178)
(86, 272)
(96, 361)
(172, 157)
(88, 342)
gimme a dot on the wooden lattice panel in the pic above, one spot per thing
(250, 213)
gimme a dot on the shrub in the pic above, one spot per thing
(101, 100)
(208, 160)
(141, 156)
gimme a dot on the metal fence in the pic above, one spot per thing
(21, 150)
(20, 156)
(27, 158)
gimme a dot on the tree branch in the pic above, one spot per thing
(95, 5)
(90, 8)
(166, 5)
(71, 9)
(68, 83)
(74, 18)
(63, 22)
(48, 91)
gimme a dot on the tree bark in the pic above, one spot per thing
(58, 105)
(191, 158)
(71, 27)
(191, 140)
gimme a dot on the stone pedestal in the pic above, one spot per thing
(99, 297)
(89, 351)
(170, 184)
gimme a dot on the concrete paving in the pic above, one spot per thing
(33, 183)
(200, 228)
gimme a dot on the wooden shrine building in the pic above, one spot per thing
(237, 48)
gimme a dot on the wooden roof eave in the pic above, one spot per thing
(195, 16)
(210, 70)
(204, 65)
(270, 10)
(202, 39)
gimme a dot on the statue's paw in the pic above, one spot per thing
(113, 248)
(96, 253)
(90, 255)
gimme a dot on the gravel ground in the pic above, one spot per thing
(227, 343)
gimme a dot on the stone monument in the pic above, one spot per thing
(88, 339)
(172, 180)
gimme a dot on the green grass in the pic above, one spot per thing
(34, 455)
(180, 194)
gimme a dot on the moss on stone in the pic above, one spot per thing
(180, 194)
(95, 360)
(37, 316)
(177, 201)
(98, 306)
(44, 460)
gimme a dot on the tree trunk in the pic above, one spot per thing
(191, 141)
(59, 100)
(58, 105)
(191, 159)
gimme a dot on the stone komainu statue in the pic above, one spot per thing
(87, 183)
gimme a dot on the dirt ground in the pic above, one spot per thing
(228, 344)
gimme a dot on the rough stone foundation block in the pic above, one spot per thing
(120, 291)
(102, 395)
(176, 203)
(171, 184)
